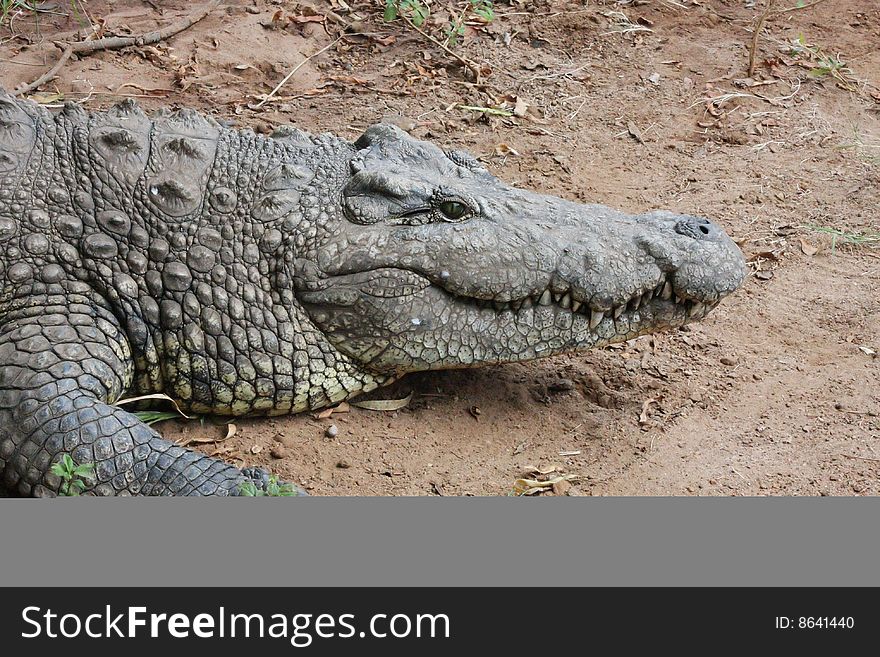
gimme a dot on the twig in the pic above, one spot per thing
(295, 69)
(115, 43)
(759, 24)
(860, 458)
(475, 68)
(785, 11)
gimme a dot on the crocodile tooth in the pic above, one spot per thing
(575, 306)
(546, 298)
(557, 298)
(565, 302)
(677, 299)
(636, 302)
(667, 291)
(527, 303)
(596, 316)
(619, 310)
(696, 309)
(516, 305)
(646, 297)
(658, 290)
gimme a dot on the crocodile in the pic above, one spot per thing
(243, 274)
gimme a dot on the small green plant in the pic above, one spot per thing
(6, 7)
(821, 64)
(852, 239)
(71, 475)
(418, 11)
(273, 489)
(77, 8)
(415, 10)
(827, 65)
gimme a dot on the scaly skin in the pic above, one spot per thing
(245, 275)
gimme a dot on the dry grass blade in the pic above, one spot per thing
(486, 110)
(621, 24)
(287, 77)
(854, 239)
(159, 395)
(384, 404)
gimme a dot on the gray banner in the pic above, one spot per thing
(425, 542)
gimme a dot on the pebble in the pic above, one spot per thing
(343, 464)
(277, 452)
(332, 431)
(561, 385)
(728, 360)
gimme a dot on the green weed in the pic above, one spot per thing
(273, 489)
(71, 475)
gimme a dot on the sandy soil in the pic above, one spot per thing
(777, 392)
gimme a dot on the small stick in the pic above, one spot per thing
(758, 26)
(785, 11)
(115, 43)
(860, 458)
(295, 69)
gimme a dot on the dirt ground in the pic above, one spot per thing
(635, 104)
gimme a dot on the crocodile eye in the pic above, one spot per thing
(454, 210)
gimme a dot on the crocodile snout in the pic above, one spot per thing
(698, 228)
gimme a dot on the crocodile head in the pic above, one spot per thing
(433, 263)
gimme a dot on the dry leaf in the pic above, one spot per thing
(521, 108)
(327, 412)
(808, 248)
(635, 132)
(256, 449)
(503, 149)
(533, 486)
(541, 470)
(47, 98)
(643, 416)
(774, 255)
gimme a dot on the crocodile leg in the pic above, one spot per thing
(61, 368)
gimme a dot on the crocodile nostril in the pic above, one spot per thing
(695, 227)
